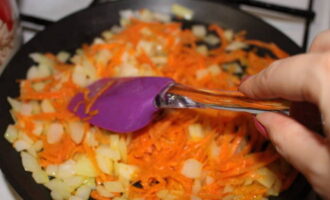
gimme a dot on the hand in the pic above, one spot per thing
(301, 78)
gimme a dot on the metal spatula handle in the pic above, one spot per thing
(180, 96)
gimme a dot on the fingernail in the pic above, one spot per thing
(261, 129)
(244, 78)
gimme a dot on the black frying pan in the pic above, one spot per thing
(69, 34)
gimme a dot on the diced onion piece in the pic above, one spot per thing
(76, 129)
(275, 189)
(40, 176)
(59, 189)
(15, 104)
(46, 106)
(39, 86)
(214, 70)
(125, 171)
(109, 152)
(166, 195)
(229, 35)
(73, 182)
(55, 132)
(182, 11)
(201, 73)
(103, 192)
(202, 49)
(267, 177)
(195, 131)
(52, 170)
(212, 39)
(26, 109)
(29, 162)
(127, 70)
(114, 186)
(199, 31)
(83, 192)
(63, 56)
(104, 163)
(21, 145)
(66, 169)
(85, 167)
(38, 128)
(11, 133)
(192, 168)
(236, 45)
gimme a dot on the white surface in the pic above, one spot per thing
(52, 9)
(293, 27)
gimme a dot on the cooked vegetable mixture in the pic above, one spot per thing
(183, 154)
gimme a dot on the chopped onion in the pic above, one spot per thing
(114, 186)
(46, 106)
(195, 131)
(76, 129)
(192, 168)
(66, 169)
(214, 70)
(63, 56)
(40, 176)
(55, 132)
(236, 45)
(83, 192)
(84, 166)
(202, 49)
(29, 162)
(103, 192)
(212, 39)
(182, 11)
(11, 133)
(21, 145)
(125, 171)
(199, 31)
(52, 170)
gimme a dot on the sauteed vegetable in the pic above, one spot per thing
(191, 154)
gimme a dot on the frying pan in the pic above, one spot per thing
(71, 32)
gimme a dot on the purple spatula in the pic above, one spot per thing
(129, 104)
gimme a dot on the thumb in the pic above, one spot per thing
(304, 149)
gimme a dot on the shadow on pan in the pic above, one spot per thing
(71, 32)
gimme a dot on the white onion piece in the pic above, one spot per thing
(199, 31)
(40, 176)
(192, 168)
(46, 106)
(195, 131)
(76, 131)
(114, 186)
(63, 56)
(29, 162)
(54, 133)
(21, 145)
(182, 11)
(52, 170)
(11, 133)
(66, 169)
(103, 192)
(83, 192)
(212, 39)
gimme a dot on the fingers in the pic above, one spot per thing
(297, 78)
(305, 150)
(321, 43)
